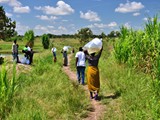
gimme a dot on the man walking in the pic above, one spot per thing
(15, 51)
(80, 65)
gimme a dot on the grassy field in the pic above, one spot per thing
(44, 92)
(6, 47)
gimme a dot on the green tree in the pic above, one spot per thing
(103, 35)
(111, 34)
(84, 34)
(114, 34)
(29, 38)
(7, 27)
(45, 41)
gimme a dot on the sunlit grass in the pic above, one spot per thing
(47, 93)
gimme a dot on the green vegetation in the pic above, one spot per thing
(141, 50)
(84, 34)
(45, 41)
(7, 89)
(7, 27)
(129, 73)
(29, 38)
(45, 92)
(127, 92)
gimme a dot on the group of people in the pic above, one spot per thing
(65, 56)
(28, 54)
(93, 79)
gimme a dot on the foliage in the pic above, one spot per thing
(45, 41)
(1, 60)
(103, 35)
(84, 34)
(141, 49)
(114, 34)
(7, 27)
(45, 92)
(7, 90)
(29, 38)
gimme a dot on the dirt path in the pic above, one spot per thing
(98, 109)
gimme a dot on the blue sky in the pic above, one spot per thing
(68, 16)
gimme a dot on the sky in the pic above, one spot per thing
(68, 16)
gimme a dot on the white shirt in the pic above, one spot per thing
(29, 49)
(54, 49)
(81, 58)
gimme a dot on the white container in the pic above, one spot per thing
(93, 46)
(65, 48)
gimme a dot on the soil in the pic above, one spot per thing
(98, 109)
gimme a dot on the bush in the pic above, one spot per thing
(45, 41)
(29, 38)
(1, 60)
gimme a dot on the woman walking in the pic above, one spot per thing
(93, 79)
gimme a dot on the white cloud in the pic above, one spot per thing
(136, 14)
(49, 26)
(15, 3)
(17, 6)
(127, 25)
(112, 24)
(62, 28)
(95, 25)
(61, 9)
(8, 14)
(44, 17)
(4, 1)
(149, 18)
(20, 9)
(38, 8)
(90, 15)
(64, 20)
(39, 30)
(129, 7)
(21, 29)
(102, 26)
(145, 19)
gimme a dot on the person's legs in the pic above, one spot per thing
(96, 95)
(55, 59)
(15, 56)
(91, 95)
(78, 74)
(83, 74)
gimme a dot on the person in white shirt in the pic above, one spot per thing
(53, 50)
(80, 65)
(29, 49)
(15, 51)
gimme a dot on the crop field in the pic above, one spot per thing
(129, 77)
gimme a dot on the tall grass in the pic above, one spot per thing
(7, 90)
(141, 49)
(47, 93)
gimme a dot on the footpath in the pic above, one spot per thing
(98, 109)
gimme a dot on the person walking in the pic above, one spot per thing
(80, 65)
(93, 79)
(15, 51)
(54, 54)
(65, 57)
